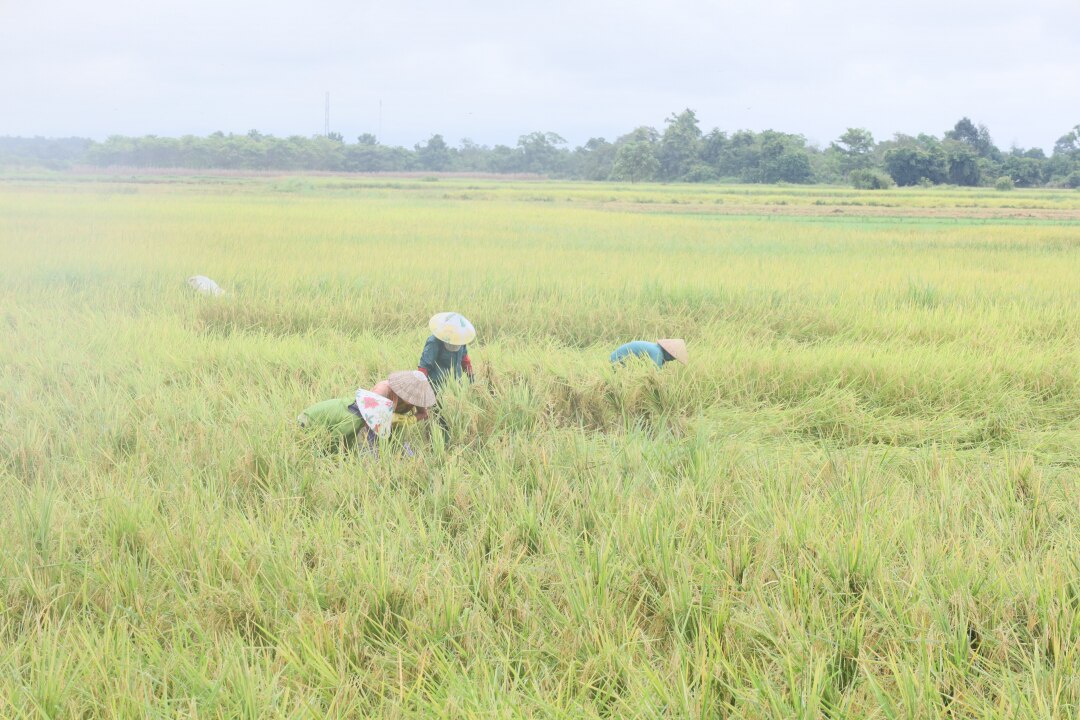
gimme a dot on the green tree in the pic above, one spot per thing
(783, 158)
(908, 160)
(594, 160)
(470, 156)
(635, 161)
(854, 149)
(962, 164)
(642, 133)
(1069, 143)
(362, 157)
(978, 138)
(741, 157)
(540, 152)
(325, 154)
(1064, 163)
(700, 173)
(714, 147)
(869, 179)
(52, 153)
(281, 154)
(433, 154)
(1025, 167)
(680, 145)
(505, 159)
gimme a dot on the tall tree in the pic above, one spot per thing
(1024, 169)
(855, 149)
(642, 133)
(594, 160)
(680, 145)
(1063, 167)
(635, 161)
(962, 163)
(471, 156)
(713, 148)
(540, 152)
(783, 158)
(1069, 143)
(434, 154)
(978, 138)
(909, 160)
(505, 159)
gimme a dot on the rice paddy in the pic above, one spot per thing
(859, 499)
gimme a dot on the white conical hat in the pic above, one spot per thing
(452, 327)
(676, 347)
(413, 387)
(204, 285)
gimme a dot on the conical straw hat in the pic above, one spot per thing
(413, 387)
(452, 327)
(676, 348)
(204, 285)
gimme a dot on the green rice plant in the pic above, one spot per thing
(857, 499)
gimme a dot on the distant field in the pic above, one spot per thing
(859, 499)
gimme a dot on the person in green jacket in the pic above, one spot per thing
(369, 415)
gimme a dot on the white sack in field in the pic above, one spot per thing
(204, 285)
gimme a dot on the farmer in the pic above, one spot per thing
(368, 416)
(445, 353)
(204, 285)
(659, 352)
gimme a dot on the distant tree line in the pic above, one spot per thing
(681, 152)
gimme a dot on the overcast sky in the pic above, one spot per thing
(492, 70)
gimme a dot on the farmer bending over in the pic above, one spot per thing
(370, 414)
(659, 352)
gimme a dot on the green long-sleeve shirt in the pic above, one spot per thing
(334, 416)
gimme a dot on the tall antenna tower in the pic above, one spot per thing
(326, 119)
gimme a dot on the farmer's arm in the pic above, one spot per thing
(466, 365)
(620, 353)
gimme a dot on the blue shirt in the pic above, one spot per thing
(440, 362)
(640, 348)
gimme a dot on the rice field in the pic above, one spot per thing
(858, 500)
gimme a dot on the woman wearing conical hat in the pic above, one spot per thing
(446, 353)
(659, 352)
(370, 414)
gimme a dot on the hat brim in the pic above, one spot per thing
(453, 328)
(676, 348)
(412, 387)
